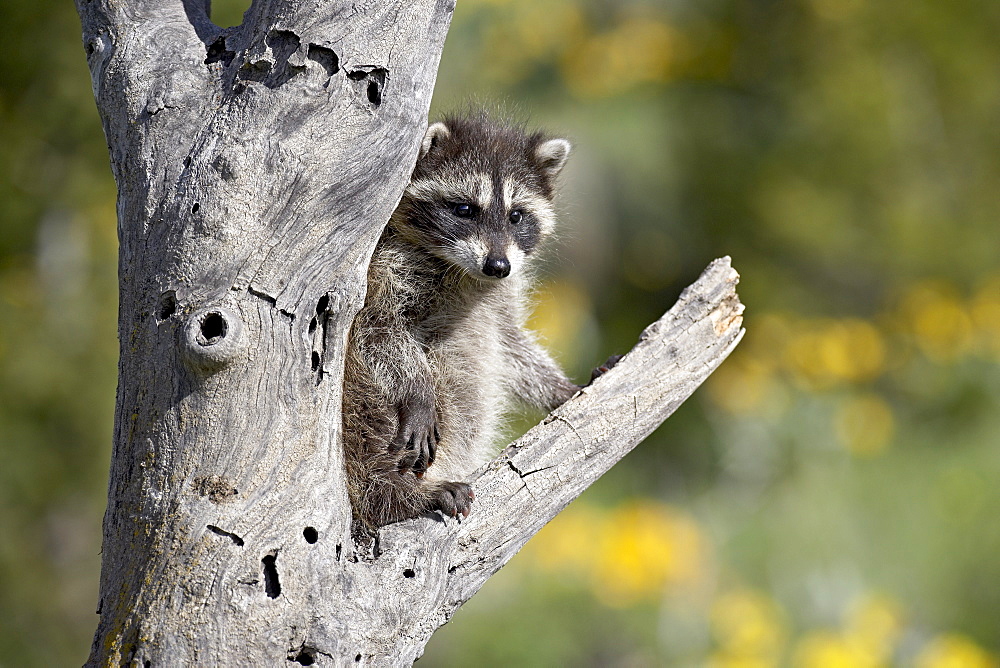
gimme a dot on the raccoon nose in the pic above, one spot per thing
(498, 267)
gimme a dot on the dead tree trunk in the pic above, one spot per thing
(256, 167)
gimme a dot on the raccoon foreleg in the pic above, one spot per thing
(400, 367)
(534, 377)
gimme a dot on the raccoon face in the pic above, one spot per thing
(481, 195)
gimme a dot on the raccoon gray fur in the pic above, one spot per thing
(439, 347)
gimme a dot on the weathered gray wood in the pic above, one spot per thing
(256, 167)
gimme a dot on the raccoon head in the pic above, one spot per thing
(481, 195)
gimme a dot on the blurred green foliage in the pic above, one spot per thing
(828, 499)
(57, 336)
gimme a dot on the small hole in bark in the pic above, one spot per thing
(272, 586)
(315, 361)
(322, 304)
(213, 328)
(167, 306)
(325, 57)
(310, 534)
(374, 93)
(305, 658)
(312, 325)
(194, 209)
(90, 48)
(187, 161)
(357, 659)
(339, 548)
(217, 52)
(408, 573)
(147, 663)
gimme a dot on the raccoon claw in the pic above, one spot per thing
(604, 368)
(416, 438)
(426, 452)
(453, 498)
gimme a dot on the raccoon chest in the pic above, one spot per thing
(468, 366)
(469, 348)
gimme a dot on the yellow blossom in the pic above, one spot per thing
(826, 649)
(827, 352)
(876, 623)
(955, 651)
(645, 547)
(939, 321)
(634, 552)
(747, 623)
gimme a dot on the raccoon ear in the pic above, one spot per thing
(435, 134)
(551, 156)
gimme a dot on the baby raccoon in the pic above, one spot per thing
(439, 346)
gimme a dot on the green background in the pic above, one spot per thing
(828, 499)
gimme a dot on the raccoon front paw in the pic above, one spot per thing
(417, 437)
(452, 498)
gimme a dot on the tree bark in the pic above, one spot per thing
(256, 167)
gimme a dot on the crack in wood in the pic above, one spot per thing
(583, 441)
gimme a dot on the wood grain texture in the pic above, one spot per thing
(256, 167)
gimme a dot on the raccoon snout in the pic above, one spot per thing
(498, 267)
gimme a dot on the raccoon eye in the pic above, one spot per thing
(462, 210)
(515, 216)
